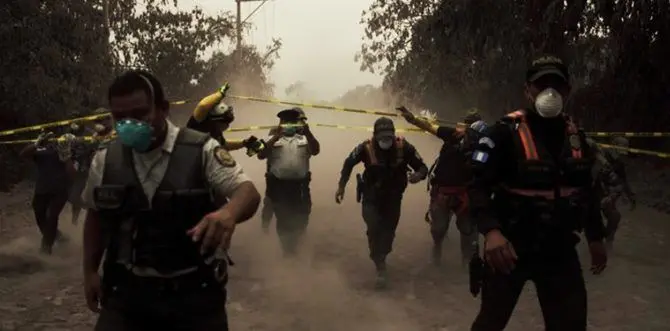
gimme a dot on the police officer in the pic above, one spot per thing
(386, 158)
(213, 116)
(532, 190)
(267, 210)
(287, 179)
(613, 183)
(54, 167)
(82, 154)
(161, 201)
(448, 186)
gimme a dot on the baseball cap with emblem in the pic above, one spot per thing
(547, 65)
(384, 128)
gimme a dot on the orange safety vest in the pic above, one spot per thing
(534, 165)
(399, 148)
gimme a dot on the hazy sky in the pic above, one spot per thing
(320, 39)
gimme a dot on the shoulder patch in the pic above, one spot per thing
(487, 141)
(224, 157)
(480, 156)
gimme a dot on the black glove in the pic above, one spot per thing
(250, 142)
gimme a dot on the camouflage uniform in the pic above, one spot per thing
(611, 179)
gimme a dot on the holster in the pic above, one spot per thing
(476, 273)
(359, 187)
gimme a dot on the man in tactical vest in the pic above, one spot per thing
(211, 115)
(612, 181)
(448, 186)
(532, 191)
(162, 205)
(287, 178)
(387, 159)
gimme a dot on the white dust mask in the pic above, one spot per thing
(549, 103)
(385, 143)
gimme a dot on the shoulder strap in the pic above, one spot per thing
(518, 118)
(400, 148)
(370, 149)
(191, 137)
(185, 167)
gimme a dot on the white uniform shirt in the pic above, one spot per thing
(289, 158)
(152, 166)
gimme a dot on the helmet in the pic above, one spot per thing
(222, 112)
(301, 114)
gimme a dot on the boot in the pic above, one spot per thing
(436, 253)
(45, 248)
(381, 281)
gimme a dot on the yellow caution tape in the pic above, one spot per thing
(334, 126)
(53, 124)
(636, 151)
(318, 106)
(628, 134)
(59, 139)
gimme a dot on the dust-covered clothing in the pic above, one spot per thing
(287, 188)
(383, 184)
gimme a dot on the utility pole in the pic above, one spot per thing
(239, 20)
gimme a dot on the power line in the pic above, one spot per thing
(254, 11)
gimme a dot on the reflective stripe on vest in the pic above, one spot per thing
(530, 152)
(372, 155)
(528, 142)
(563, 192)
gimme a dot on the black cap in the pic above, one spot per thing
(384, 128)
(290, 114)
(547, 65)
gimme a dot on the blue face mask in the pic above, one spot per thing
(134, 134)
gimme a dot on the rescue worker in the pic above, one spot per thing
(448, 184)
(54, 166)
(82, 154)
(213, 116)
(267, 210)
(532, 191)
(387, 159)
(288, 177)
(161, 201)
(612, 181)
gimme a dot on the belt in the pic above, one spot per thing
(563, 192)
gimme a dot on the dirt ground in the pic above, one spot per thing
(330, 286)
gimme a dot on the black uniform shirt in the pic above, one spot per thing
(52, 176)
(359, 154)
(495, 162)
(452, 168)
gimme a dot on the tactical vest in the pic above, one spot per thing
(538, 174)
(379, 175)
(153, 235)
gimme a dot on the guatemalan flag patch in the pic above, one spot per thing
(480, 156)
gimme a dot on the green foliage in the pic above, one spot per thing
(453, 54)
(59, 57)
